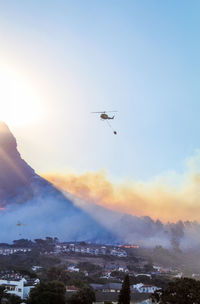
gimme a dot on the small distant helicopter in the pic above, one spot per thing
(104, 116)
(20, 224)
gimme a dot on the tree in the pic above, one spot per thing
(181, 291)
(125, 294)
(2, 292)
(48, 293)
(13, 299)
(148, 267)
(89, 267)
(23, 243)
(85, 295)
(8, 298)
(58, 274)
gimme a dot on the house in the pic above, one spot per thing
(178, 275)
(123, 269)
(107, 288)
(72, 288)
(143, 274)
(196, 276)
(102, 250)
(61, 248)
(145, 288)
(36, 268)
(136, 287)
(112, 287)
(19, 287)
(106, 275)
(112, 267)
(118, 253)
(157, 268)
(97, 287)
(73, 268)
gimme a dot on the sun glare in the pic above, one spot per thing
(19, 104)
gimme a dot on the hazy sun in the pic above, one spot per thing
(19, 104)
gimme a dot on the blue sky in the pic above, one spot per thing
(138, 57)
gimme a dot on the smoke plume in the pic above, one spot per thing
(164, 211)
(170, 197)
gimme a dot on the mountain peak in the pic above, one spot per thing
(7, 140)
(15, 173)
(3, 124)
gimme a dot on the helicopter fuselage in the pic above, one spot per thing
(105, 116)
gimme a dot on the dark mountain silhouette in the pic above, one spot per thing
(28, 197)
(15, 175)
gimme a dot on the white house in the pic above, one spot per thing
(73, 268)
(36, 268)
(145, 288)
(119, 253)
(19, 287)
(179, 275)
(123, 269)
(106, 275)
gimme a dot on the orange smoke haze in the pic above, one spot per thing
(156, 199)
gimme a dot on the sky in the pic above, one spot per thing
(61, 60)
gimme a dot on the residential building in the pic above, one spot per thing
(145, 288)
(112, 287)
(19, 287)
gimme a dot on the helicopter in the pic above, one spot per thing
(20, 224)
(105, 116)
